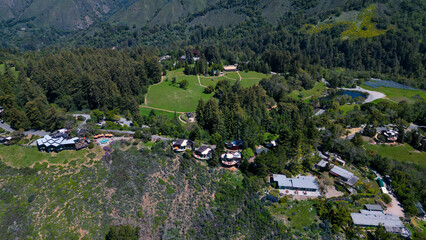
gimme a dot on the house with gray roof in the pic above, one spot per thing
(374, 207)
(346, 176)
(301, 183)
(391, 223)
(49, 144)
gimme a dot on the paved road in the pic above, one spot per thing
(8, 128)
(372, 95)
(86, 116)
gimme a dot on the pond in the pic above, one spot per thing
(352, 94)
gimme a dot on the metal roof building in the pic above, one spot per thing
(391, 223)
(374, 207)
(48, 144)
(302, 183)
(374, 218)
(322, 164)
(345, 175)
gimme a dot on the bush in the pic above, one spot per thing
(184, 84)
(91, 145)
(386, 198)
(81, 118)
(209, 89)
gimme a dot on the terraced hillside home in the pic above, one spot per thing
(235, 145)
(181, 145)
(301, 185)
(203, 153)
(344, 175)
(230, 159)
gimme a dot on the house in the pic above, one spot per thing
(301, 183)
(261, 150)
(181, 145)
(230, 159)
(420, 210)
(373, 207)
(391, 135)
(344, 175)
(271, 144)
(230, 68)
(164, 58)
(49, 144)
(391, 223)
(235, 145)
(322, 164)
(203, 153)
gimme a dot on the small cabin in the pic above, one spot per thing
(203, 153)
(181, 145)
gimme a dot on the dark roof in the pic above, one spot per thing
(202, 149)
(261, 150)
(373, 207)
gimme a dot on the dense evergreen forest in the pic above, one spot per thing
(48, 84)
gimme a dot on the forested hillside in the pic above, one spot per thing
(49, 84)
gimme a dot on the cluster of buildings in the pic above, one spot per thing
(61, 141)
(374, 216)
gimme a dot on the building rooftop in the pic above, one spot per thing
(203, 150)
(374, 207)
(322, 163)
(375, 218)
(342, 172)
(299, 182)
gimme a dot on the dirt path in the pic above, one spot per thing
(180, 118)
(199, 81)
(146, 95)
(170, 111)
(239, 75)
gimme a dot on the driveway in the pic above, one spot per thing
(8, 128)
(394, 207)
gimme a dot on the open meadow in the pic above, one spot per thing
(398, 95)
(402, 153)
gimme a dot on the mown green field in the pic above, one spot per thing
(398, 95)
(171, 97)
(254, 75)
(147, 111)
(402, 153)
(297, 214)
(316, 91)
(18, 156)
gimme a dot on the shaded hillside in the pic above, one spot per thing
(166, 196)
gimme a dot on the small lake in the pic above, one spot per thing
(352, 94)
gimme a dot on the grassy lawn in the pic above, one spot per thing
(249, 82)
(255, 75)
(17, 156)
(402, 153)
(146, 111)
(396, 94)
(295, 214)
(212, 80)
(346, 108)
(233, 75)
(171, 97)
(315, 91)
